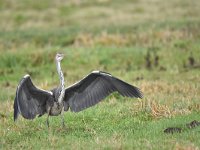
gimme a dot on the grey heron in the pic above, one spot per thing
(31, 101)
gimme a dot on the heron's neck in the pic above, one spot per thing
(62, 82)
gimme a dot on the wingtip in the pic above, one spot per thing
(140, 94)
(16, 111)
(16, 114)
(15, 119)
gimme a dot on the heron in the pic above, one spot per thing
(31, 101)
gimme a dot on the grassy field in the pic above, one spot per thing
(152, 44)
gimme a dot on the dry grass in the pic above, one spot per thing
(144, 39)
(181, 146)
(161, 97)
(164, 87)
(60, 13)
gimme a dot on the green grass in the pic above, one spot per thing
(120, 37)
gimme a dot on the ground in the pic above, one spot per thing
(152, 44)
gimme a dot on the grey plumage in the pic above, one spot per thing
(31, 101)
(95, 87)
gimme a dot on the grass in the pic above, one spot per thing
(151, 44)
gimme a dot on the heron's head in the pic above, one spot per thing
(59, 57)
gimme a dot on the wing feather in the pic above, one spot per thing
(95, 87)
(29, 101)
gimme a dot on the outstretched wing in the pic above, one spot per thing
(29, 100)
(95, 87)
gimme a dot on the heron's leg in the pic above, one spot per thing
(62, 117)
(48, 112)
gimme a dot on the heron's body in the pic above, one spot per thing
(31, 101)
(55, 109)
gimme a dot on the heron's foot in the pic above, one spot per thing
(63, 124)
(47, 122)
(62, 118)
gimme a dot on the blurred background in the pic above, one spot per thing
(133, 39)
(152, 44)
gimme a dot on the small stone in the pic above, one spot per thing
(193, 124)
(173, 130)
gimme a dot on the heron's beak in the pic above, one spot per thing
(62, 56)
